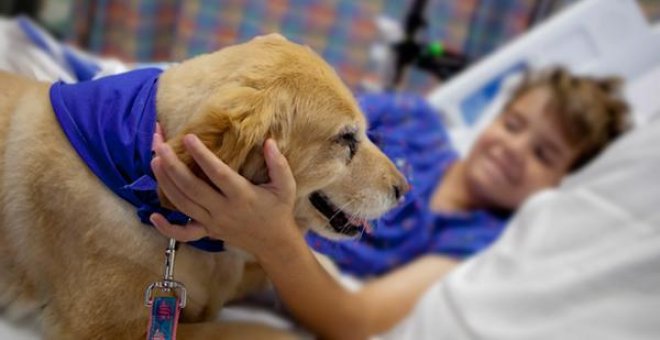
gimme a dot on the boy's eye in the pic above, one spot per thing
(512, 123)
(543, 155)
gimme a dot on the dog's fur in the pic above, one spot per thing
(77, 254)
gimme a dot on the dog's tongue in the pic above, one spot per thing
(367, 227)
(361, 222)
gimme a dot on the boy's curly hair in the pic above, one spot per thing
(590, 111)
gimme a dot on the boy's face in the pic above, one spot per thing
(520, 153)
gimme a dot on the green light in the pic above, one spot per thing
(436, 49)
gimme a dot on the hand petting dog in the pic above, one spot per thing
(232, 211)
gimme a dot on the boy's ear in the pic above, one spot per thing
(233, 125)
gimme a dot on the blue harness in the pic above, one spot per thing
(111, 122)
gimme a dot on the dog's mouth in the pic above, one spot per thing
(340, 221)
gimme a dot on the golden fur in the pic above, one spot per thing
(77, 254)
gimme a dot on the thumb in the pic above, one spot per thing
(281, 178)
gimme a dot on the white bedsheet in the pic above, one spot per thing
(11, 331)
(579, 262)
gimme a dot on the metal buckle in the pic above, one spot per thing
(167, 286)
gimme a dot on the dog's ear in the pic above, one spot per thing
(234, 125)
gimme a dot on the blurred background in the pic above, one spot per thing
(356, 37)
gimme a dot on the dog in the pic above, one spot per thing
(76, 254)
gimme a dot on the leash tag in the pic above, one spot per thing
(165, 299)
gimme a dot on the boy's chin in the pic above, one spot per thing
(490, 196)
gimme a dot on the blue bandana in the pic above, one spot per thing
(111, 122)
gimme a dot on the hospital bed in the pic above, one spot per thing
(599, 37)
(591, 37)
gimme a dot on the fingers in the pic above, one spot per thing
(279, 171)
(159, 130)
(176, 195)
(159, 138)
(195, 188)
(190, 232)
(222, 176)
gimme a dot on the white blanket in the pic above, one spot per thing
(579, 262)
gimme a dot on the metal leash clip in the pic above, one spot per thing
(167, 287)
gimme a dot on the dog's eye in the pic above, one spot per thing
(349, 140)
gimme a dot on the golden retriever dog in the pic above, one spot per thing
(77, 255)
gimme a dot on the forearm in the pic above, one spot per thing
(391, 297)
(320, 303)
(316, 299)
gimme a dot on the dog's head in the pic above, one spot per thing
(269, 87)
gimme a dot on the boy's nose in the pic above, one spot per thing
(515, 149)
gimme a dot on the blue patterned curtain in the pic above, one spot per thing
(340, 30)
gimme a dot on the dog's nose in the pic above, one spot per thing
(400, 190)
